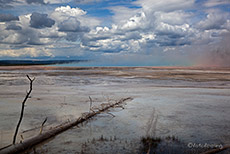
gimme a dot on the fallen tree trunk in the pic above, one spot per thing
(29, 143)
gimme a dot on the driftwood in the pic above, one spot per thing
(23, 106)
(29, 143)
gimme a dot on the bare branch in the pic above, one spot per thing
(43, 125)
(23, 106)
(31, 80)
(111, 114)
(90, 105)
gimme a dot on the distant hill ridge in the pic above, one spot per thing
(36, 62)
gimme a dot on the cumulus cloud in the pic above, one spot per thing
(122, 13)
(136, 22)
(156, 23)
(68, 11)
(74, 22)
(143, 27)
(64, 13)
(7, 17)
(173, 31)
(214, 20)
(170, 5)
(115, 39)
(41, 20)
(20, 34)
(212, 3)
(23, 37)
(31, 31)
(177, 17)
(72, 25)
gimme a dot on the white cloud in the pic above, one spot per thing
(122, 14)
(64, 13)
(135, 22)
(135, 29)
(212, 3)
(214, 20)
(68, 11)
(56, 1)
(227, 25)
(155, 27)
(86, 1)
(169, 5)
(176, 17)
(25, 52)
(169, 49)
(166, 29)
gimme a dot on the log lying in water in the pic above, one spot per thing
(29, 143)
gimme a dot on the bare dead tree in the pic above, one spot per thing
(23, 106)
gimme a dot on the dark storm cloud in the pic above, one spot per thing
(7, 17)
(21, 36)
(30, 37)
(73, 37)
(40, 20)
(72, 25)
(13, 27)
(169, 41)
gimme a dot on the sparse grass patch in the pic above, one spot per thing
(149, 142)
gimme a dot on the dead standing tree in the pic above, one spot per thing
(23, 106)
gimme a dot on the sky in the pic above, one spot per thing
(118, 32)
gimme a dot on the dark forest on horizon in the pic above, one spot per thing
(36, 62)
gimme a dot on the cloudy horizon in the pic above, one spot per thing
(124, 32)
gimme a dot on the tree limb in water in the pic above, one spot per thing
(29, 143)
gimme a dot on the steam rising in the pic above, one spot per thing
(219, 57)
